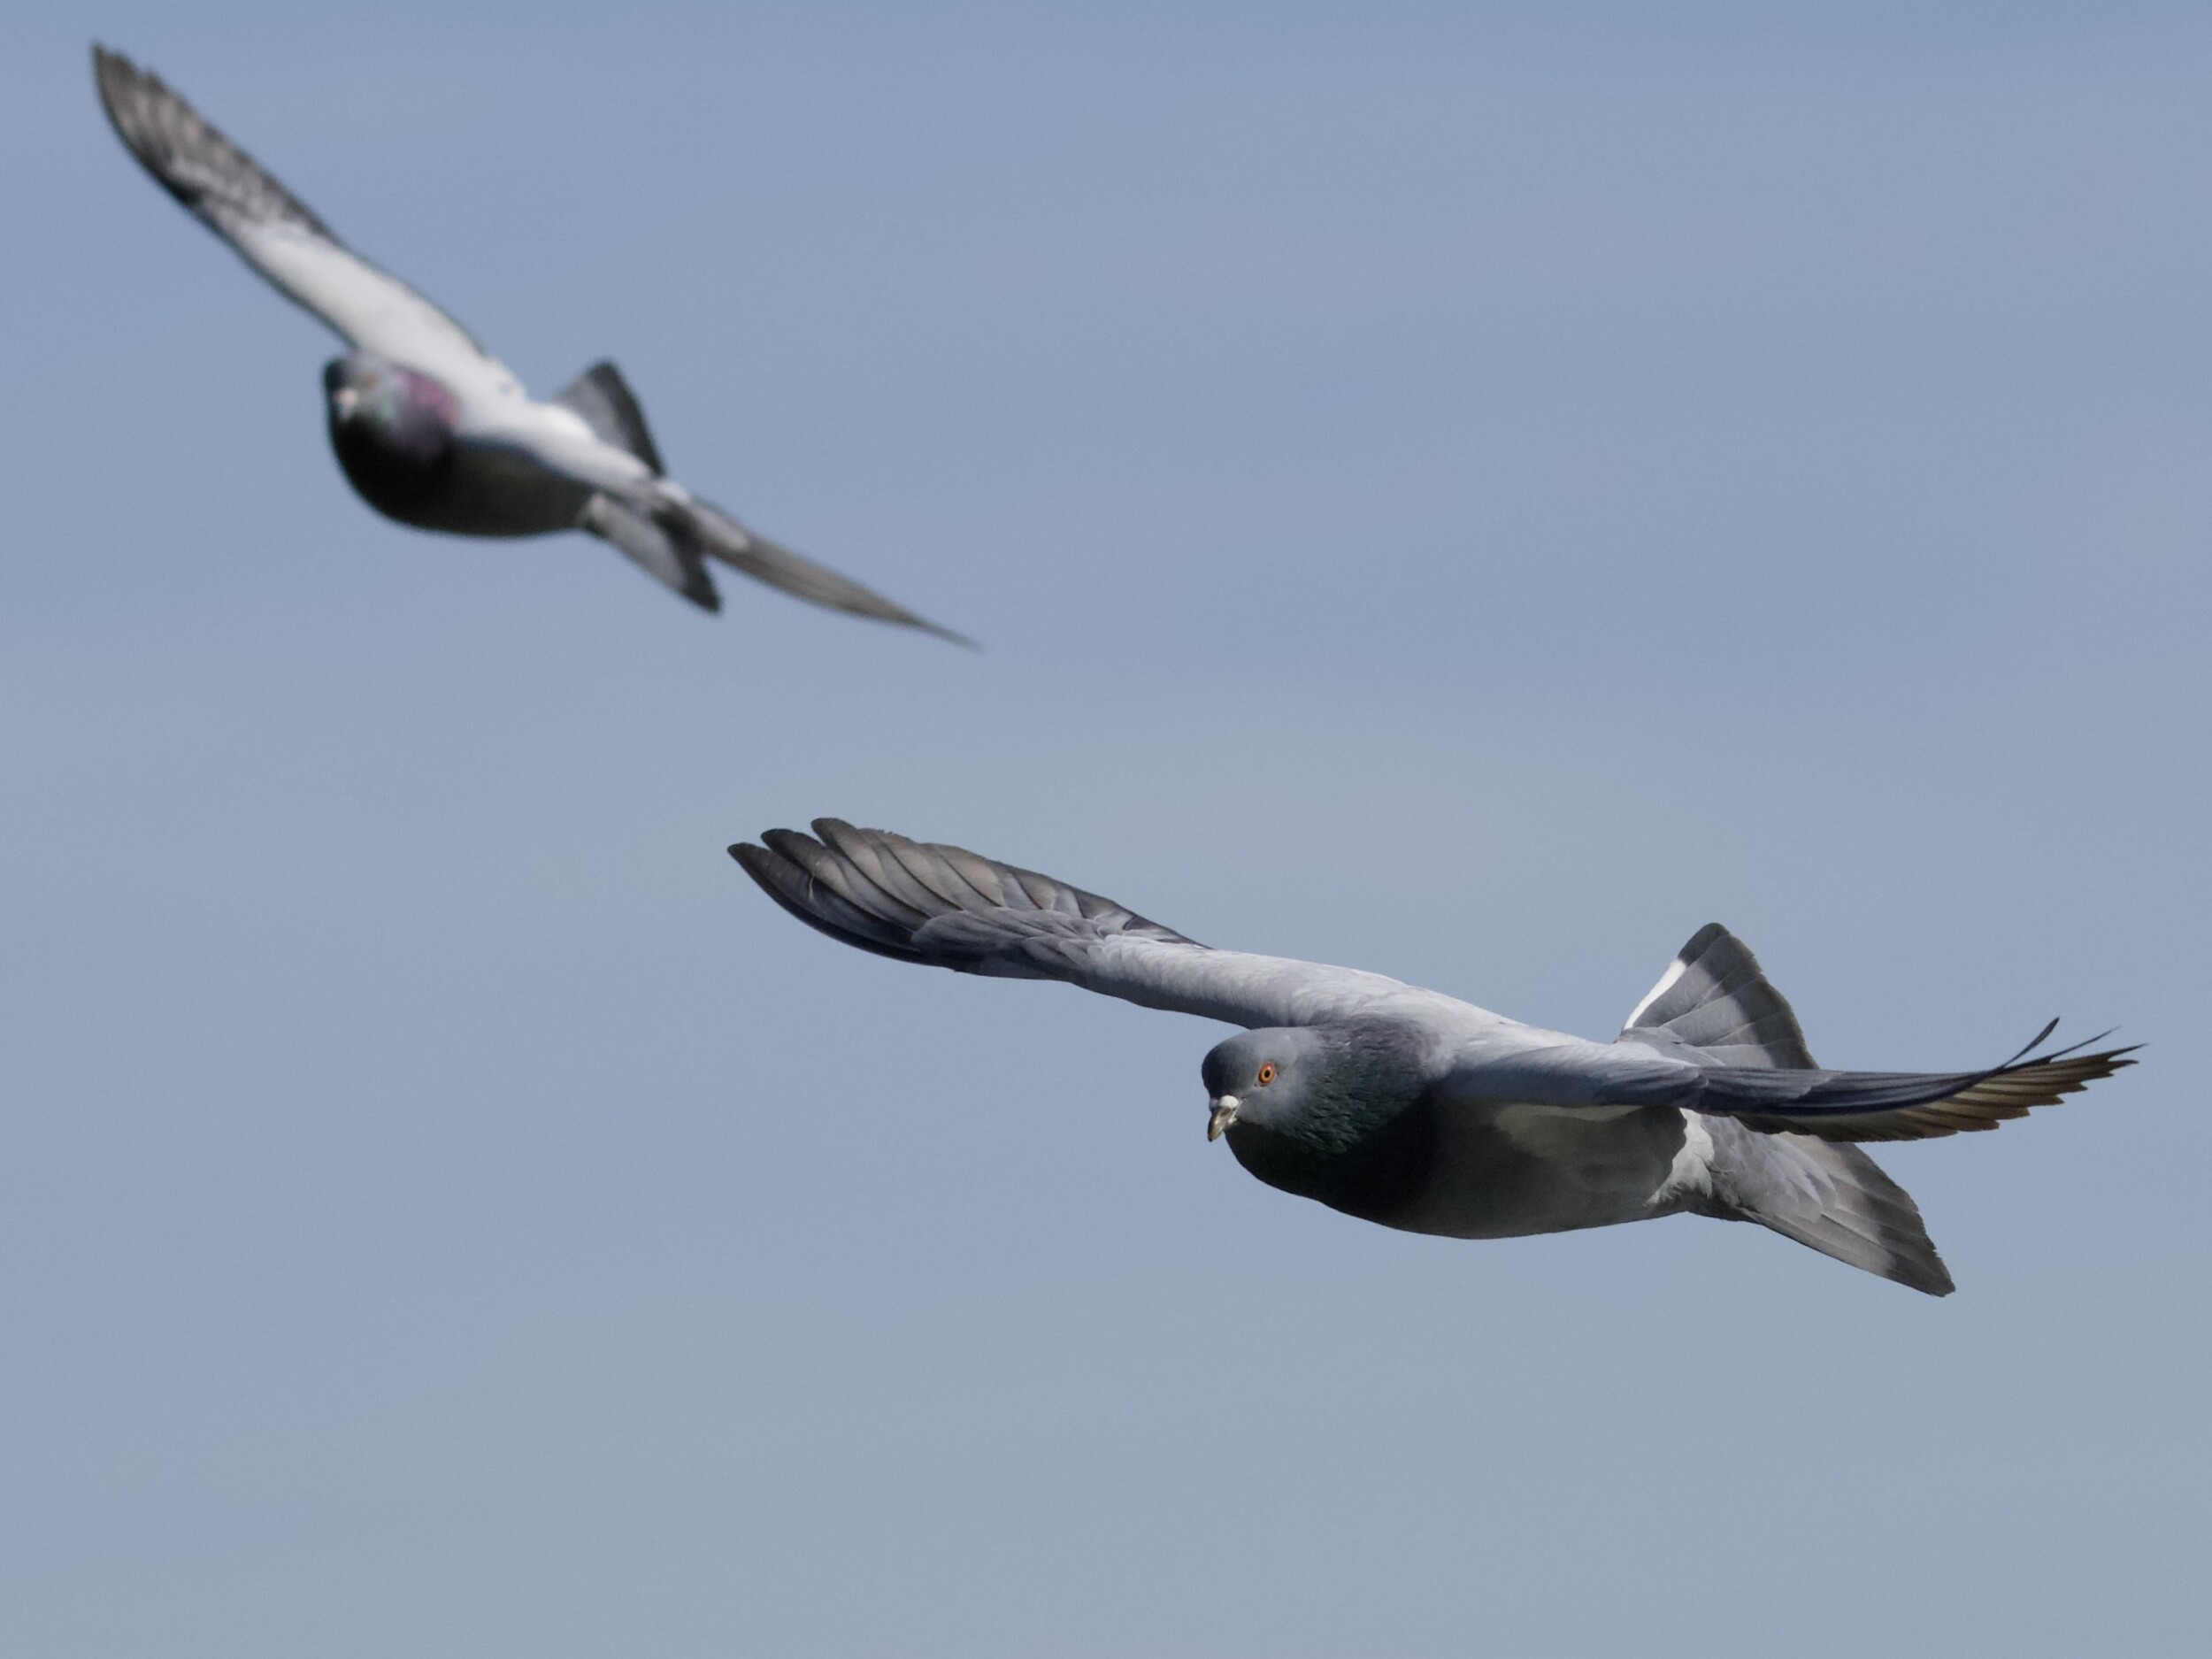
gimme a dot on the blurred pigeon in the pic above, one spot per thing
(430, 429)
(1415, 1109)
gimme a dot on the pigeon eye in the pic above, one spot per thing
(1266, 1073)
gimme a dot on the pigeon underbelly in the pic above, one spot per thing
(1503, 1172)
(466, 490)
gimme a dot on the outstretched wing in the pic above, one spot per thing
(1570, 1075)
(948, 908)
(276, 234)
(1902, 1105)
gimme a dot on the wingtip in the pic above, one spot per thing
(784, 843)
(1917, 1269)
(114, 74)
(758, 863)
(109, 68)
(950, 634)
(2111, 1059)
(899, 616)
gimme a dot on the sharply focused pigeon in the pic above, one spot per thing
(430, 428)
(1420, 1112)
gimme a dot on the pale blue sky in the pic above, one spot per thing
(1474, 493)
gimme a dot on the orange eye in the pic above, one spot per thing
(1266, 1073)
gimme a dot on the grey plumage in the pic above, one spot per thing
(1830, 1196)
(1712, 1001)
(653, 547)
(1420, 1112)
(463, 448)
(1714, 1005)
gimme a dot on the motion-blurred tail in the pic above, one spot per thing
(647, 544)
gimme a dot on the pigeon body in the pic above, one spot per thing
(429, 428)
(1418, 1111)
(396, 435)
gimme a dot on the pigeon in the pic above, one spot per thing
(430, 429)
(1412, 1109)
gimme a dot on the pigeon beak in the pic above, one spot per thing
(1224, 1114)
(342, 401)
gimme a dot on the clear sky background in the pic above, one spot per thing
(1472, 492)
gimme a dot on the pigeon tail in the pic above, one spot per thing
(647, 545)
(1714, 1006)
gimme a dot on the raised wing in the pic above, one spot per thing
(1715, 998)
(276, 233)
(949, 908)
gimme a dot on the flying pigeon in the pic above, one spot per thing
(1415, 1109)
(429, 427)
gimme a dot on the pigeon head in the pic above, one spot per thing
(393, 432)
(1334, 1112)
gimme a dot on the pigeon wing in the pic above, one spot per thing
(717, 536)
(949, 908)
(1571, 1075)
(1902, 1105)
(277, 235)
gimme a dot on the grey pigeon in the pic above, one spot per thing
(430, 428)
(1415, 1109)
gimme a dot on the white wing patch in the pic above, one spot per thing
(283, 239)
(1675, 970)
(372, 308)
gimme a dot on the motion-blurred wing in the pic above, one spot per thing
(720, 536)
(277, 235)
